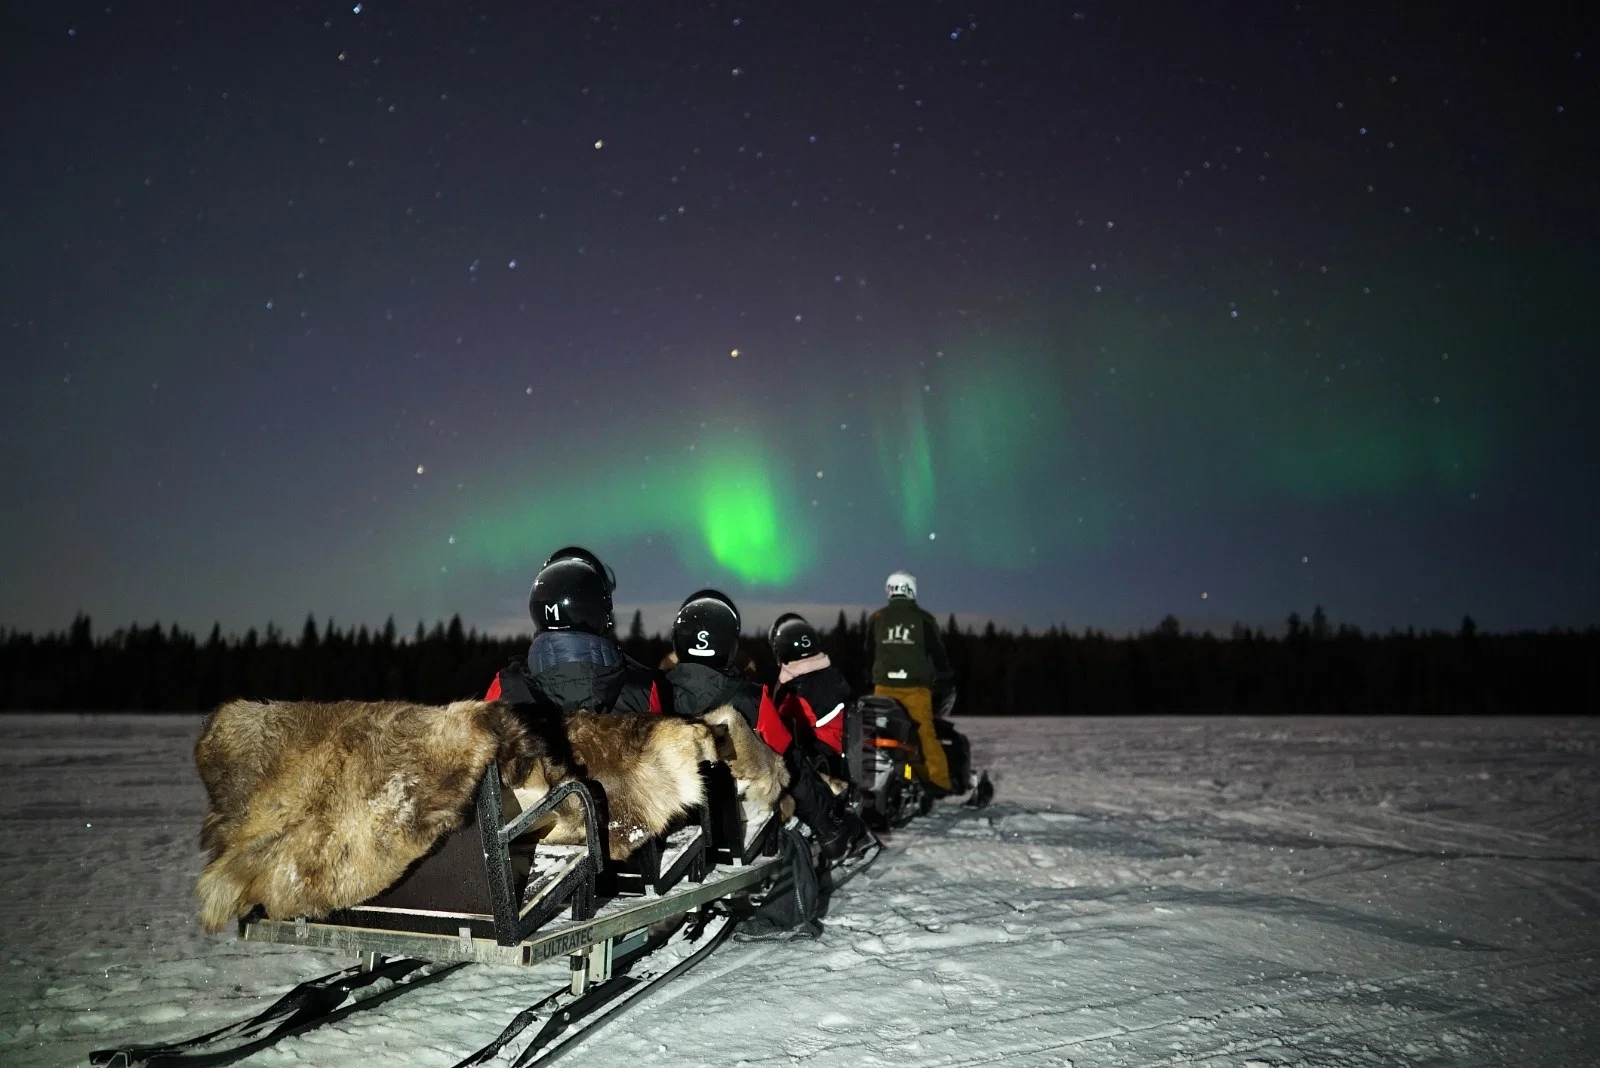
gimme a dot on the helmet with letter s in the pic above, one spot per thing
(706, 630)
(792, 638)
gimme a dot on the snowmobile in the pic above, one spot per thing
(882, 750)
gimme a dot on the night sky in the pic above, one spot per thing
(1085, 313)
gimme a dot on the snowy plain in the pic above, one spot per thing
(1243, 892)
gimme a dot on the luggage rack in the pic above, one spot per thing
(471, 900)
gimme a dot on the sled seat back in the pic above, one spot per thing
(661, 863)
(736, 839)
(472, 883)
(854, 743)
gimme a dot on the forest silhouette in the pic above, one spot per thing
(1311, 668)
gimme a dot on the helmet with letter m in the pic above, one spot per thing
(572, 592)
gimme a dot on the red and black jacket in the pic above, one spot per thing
(817, 699)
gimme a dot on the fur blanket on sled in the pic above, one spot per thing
(319, 806)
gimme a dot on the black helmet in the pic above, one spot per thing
(578, 552)
(792, 638)
(570, 593)
(706, 630)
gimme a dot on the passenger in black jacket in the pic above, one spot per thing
(705, 671)
(573, 663)
(705, 640)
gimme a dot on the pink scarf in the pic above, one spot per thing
(795, 668)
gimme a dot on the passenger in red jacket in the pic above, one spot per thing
(810, 690)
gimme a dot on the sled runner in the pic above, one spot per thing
(312, 1003)
(569, 1013)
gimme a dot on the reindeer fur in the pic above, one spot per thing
(319, 806)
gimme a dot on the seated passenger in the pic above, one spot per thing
(810, 689)
(705, 639)
(573, 662)
(705, 671)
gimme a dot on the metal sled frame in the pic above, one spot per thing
(523, 934)
(465, 902)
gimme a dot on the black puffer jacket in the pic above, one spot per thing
(569, 670)
(698, 688)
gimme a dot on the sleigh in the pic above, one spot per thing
(484, 896)
(494, 891)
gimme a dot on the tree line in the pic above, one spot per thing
(1313, 667)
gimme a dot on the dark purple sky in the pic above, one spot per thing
(1084, 313)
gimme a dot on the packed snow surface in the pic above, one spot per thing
(1240, 892)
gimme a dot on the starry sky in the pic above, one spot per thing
(1084, 312)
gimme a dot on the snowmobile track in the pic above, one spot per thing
(1322, 1044)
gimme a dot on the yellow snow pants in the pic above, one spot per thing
(919, 702)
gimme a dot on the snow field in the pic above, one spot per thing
(1208, 892)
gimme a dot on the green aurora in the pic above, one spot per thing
(1001, 453)
(724, 505)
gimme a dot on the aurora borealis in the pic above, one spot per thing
(1084, 315)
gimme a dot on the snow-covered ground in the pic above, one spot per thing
(1241, 892)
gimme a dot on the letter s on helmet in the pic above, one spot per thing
(706, 630)
(901, 584)
(792, 638)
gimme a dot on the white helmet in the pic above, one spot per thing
(901, 584)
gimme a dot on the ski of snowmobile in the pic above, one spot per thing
(981, 794)
(570, 1017)
(310, 1004)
